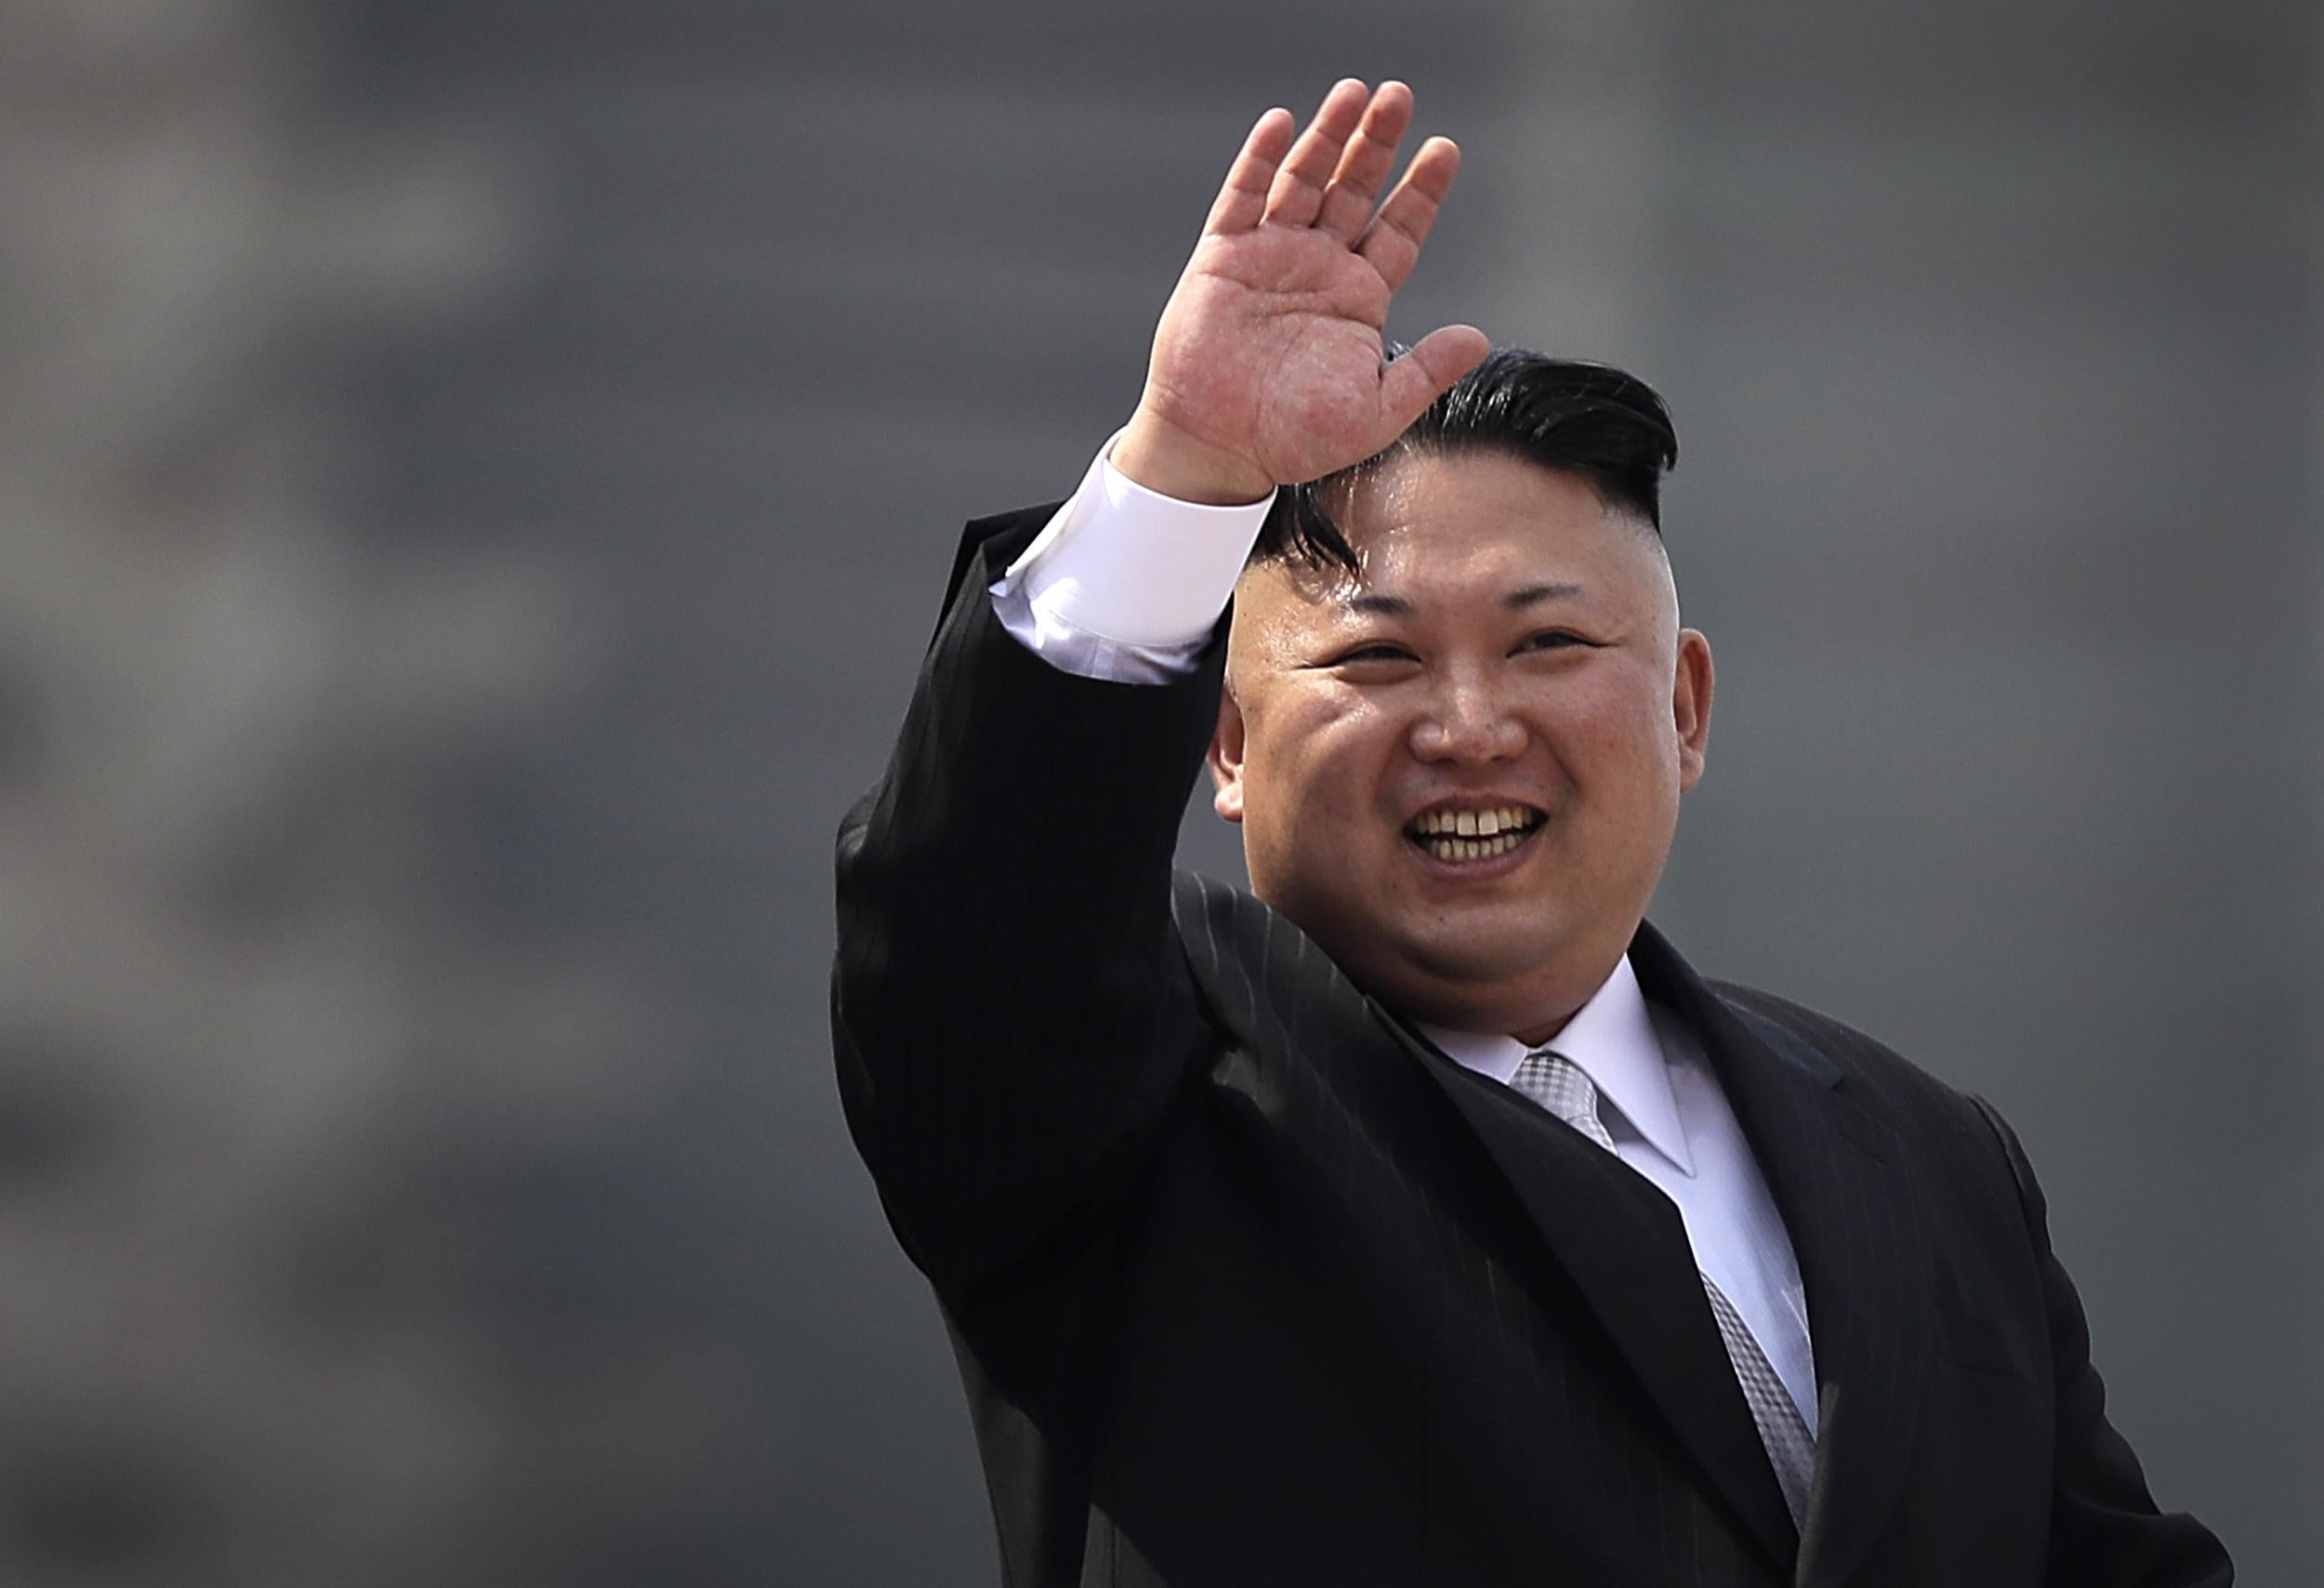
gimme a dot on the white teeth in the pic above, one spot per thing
(1446, 846)
(1472, 824)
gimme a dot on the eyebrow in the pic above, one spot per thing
(1375, 606)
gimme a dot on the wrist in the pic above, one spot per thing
(1160, 456)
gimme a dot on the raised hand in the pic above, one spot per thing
(1266, 366)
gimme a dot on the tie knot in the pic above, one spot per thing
(1558, 1084)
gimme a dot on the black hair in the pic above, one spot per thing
(1590, 420)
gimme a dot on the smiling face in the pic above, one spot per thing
(1459, 774)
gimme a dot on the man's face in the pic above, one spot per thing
(1460, 773)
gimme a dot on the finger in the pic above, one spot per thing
(1409, 385)
(1299, 186)
(1365, 165)
(1392, 243)
(1243, 199)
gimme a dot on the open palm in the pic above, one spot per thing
(1266, 366)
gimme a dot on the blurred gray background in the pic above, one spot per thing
(476, 479)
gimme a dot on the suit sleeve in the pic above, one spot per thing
(2104, 1528)
(1012, 1017)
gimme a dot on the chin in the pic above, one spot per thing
(1456, 976)
(1476, 947)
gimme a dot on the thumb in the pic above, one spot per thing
(1421, 376)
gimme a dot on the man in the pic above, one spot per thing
(1424, 1219)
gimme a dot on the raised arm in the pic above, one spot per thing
(1011, 1009)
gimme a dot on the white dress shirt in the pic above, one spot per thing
(1125, 583)
(1670, 1122)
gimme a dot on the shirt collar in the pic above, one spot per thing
(1612, 1041)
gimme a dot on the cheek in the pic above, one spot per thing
(1615, 739)
(1317, 762)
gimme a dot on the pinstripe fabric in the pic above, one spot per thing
(1250, 1287)
(1554, 1082)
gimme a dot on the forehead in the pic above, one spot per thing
(1448, 503)
(1448, 530)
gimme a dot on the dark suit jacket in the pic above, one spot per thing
(1251, 1286)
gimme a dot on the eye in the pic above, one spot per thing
(1377, 652)
(1549, 640)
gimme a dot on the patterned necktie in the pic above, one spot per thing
(1557, 1085)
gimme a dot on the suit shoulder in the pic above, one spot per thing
(1905, 1088)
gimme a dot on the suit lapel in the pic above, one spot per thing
(1625, 1246)
(1617, 1235)
(1847, 1192)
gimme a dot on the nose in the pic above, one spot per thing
(1466, 719)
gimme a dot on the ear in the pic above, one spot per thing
(1225, 759)
(1690, 705)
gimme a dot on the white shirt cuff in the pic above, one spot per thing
(1125, 583)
